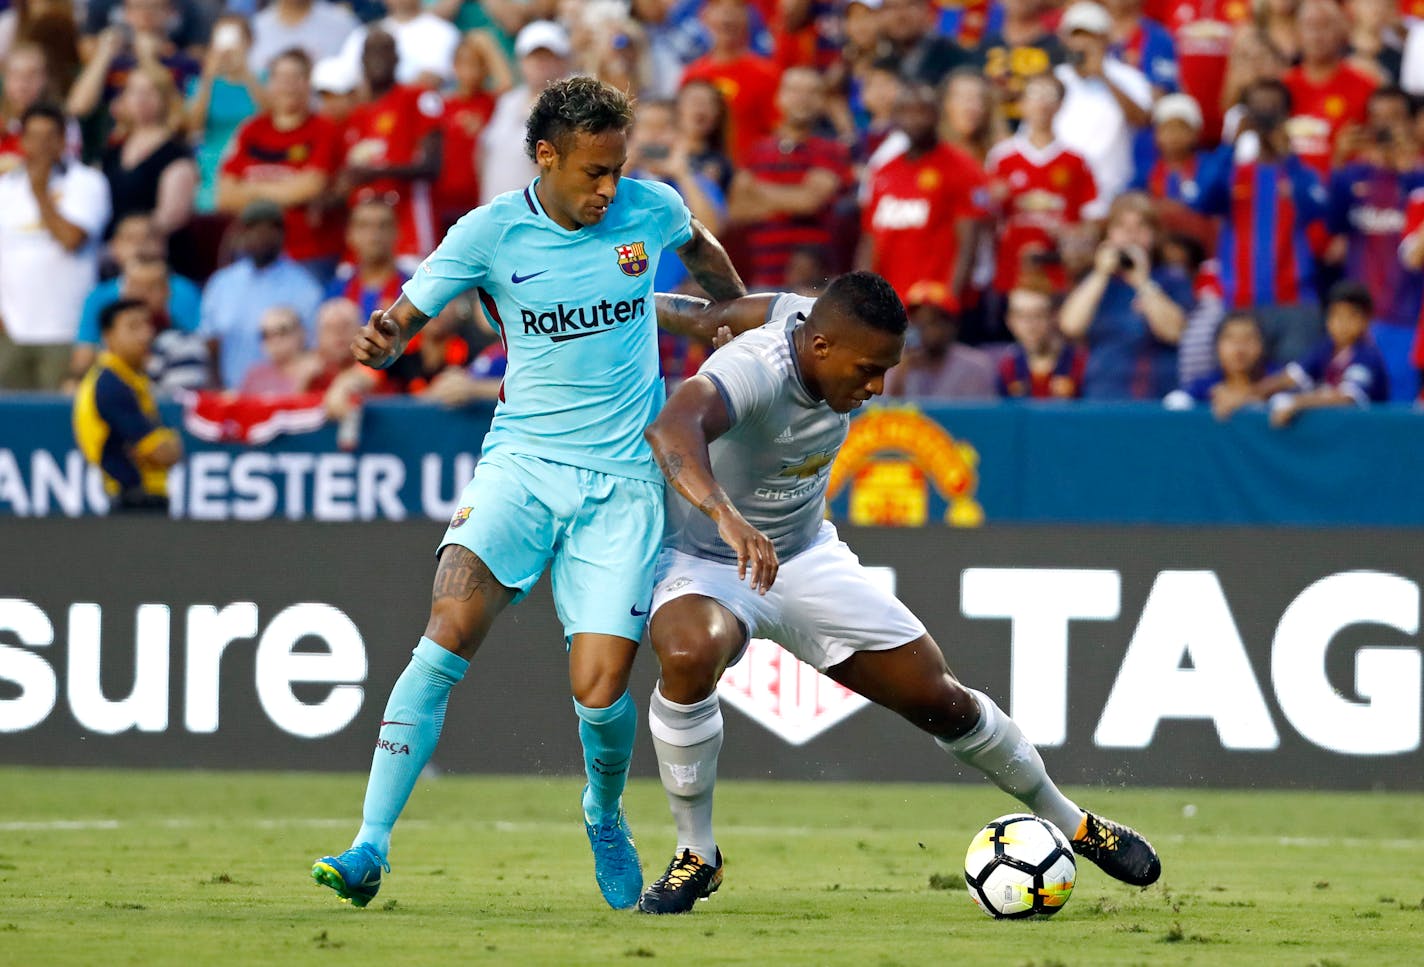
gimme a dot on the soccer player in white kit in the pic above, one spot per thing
(747, 446)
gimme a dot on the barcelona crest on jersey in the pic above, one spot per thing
(632, 258)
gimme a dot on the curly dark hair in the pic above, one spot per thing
(868, 298)
(572, 105)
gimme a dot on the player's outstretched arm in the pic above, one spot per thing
(709, 264)
(384, 337)
(695, 318)
(694, 416)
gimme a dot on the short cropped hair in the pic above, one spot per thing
(44, 109)
(111, 312)
(572, 105)
(1352, 293)
(866, 297)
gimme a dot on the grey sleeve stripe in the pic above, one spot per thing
(726, 397)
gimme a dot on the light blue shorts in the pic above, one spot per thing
(518, 513)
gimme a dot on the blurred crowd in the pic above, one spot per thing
(1207, 202)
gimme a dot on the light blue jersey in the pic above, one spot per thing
(575, 311)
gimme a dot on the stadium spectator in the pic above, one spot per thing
(1169, 165)
(174, 301)
(1143, 43)
(808, 271)
(935, 364)
(1196, 350)
(614, 48)
(478, 382)
(316, 27)
(140, 39)
(1326, 92)
(1277, 22)
(1042, 190)
(480, 74)
(52, 214)
(1263, 192)
(184, 23)
(925, 55)
(879, 93)
(863, 47)
(1345, 369)
(1253, 58)
(1368, 197)
(148, 163)
(702, 126)
(1104, 99)
(236, 296)
(786, 193)
(1128, 310)
(920, 218)
(52, 28)
(286, 367)
(287, 156)
(425, 44)
(226, 94)
(337, 322)
(371, 279)
(1020, 49)
(542, 49)
(1202, 32)
(445, 344)
(748, 81)
(657, 153)
(1234, 382)
(1411, 256)
(1375, 41)
(970, 119)
(334, 83)
(1040, 364)
(116, 422)
(23, 84)
(393, 148)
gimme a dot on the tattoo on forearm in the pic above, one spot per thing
(712, 501)
(671, 464)
(460, 575)
(707, 260)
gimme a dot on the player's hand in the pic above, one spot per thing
(378, 343)
(755, 554)
(724, 336)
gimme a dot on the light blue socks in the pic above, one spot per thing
(607, 735)
(410, 729)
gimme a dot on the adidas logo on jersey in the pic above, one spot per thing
(785, 436)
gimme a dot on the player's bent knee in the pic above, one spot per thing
(694, 639)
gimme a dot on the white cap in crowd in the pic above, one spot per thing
(542, 35)
(333, 75)
(1178, 107)
(1087, 16)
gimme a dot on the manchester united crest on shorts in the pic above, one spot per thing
(632, 258)
(461, 515)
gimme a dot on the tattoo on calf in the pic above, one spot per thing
(460, 575)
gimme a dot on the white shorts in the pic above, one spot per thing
(824, 607)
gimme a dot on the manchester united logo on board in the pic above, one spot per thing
(632, 258)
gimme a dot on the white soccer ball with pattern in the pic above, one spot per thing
(1020, 866)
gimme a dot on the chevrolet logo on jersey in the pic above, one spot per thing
(632, 258)
(809, 467)
(563, 322)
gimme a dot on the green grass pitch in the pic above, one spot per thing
(151, 868)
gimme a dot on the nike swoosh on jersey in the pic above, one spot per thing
(516, 278)
(635, 612)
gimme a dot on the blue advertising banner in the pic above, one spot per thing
(962, 465)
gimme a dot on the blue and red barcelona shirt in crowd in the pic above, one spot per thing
(368, 298)
(1150, 49)
(1358, 370)
(1367, 203)
(1064, 381)
(1264, 253)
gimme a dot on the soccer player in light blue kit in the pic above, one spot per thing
(564, 269)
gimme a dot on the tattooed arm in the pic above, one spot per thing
(687, 315)
(694, 416)
(707, 260)
(384, 337)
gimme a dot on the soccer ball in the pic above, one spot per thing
(1020, 866)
